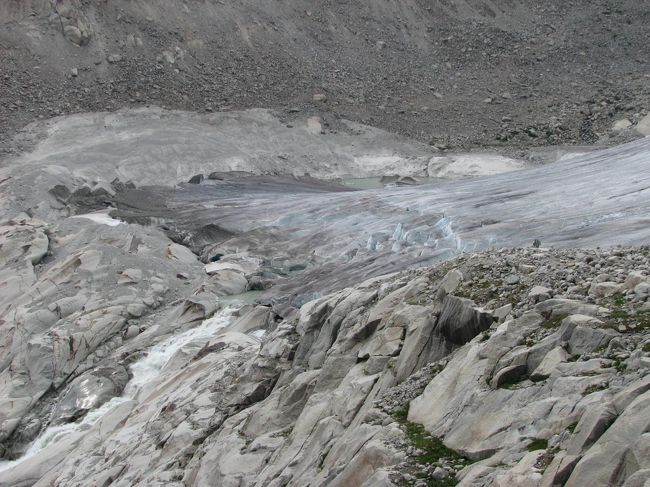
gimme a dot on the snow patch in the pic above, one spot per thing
(100, 217)
(471, 165)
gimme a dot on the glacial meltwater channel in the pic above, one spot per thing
(144, 371)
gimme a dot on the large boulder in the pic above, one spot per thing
(584, 333)
(88, 391)
(559, 307)
(621, 451)
(461, 320)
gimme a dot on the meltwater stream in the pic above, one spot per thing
(144, 371)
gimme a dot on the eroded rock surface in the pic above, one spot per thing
(554, 393)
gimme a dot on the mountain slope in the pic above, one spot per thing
(552, 73)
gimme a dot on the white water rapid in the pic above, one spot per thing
(145, 371)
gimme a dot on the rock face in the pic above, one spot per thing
(73, 21)
(63, 319)
(308, 389)
(554, 394)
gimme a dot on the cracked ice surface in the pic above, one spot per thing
(602, 198)
(599, 198)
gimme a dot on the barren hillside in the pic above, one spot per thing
(458, 73)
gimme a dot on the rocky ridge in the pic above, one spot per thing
(524, 367)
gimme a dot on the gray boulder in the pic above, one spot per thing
(460, 320)
(88, 391)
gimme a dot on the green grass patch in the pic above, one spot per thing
(620, 314)
(642, 321)
(538, 444)
(572, 427)
(594, 388)
(401, 415)
(620, 365)
(639, 322)
(431, 449)
(600, 349)
(646, 347)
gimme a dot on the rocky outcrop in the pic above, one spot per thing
(67, 298)
(298, 407)
(74, 24)
(552, 394)
(552, 397)
(23, 244)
